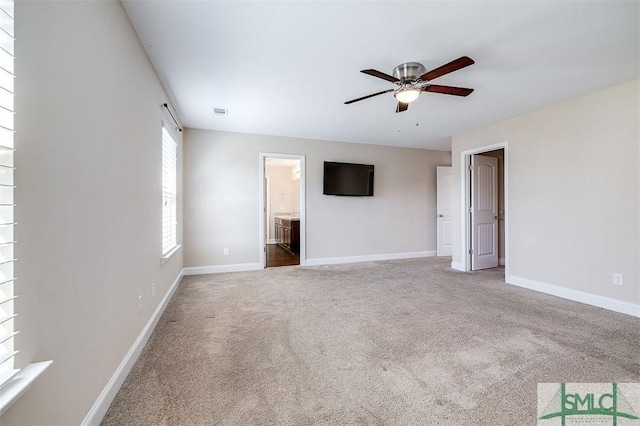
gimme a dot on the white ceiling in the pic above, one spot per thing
(285, 68)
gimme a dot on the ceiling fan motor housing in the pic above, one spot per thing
(409, 71)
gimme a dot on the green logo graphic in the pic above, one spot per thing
(612, 404)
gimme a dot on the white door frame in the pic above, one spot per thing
(465, 191)
(261, 213)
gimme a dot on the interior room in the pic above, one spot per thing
(453, 189)
(282, 218)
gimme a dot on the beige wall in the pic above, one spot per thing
(295, 193)
(88, 138)
(573, 190)
(222, 198)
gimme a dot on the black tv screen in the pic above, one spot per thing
(354, 180)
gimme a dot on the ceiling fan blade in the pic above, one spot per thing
(368, 96)
(452, 66)
(401, 107)
(447, 90)
(381, 75)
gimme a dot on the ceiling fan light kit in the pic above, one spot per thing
(407, 94)
(410, 75)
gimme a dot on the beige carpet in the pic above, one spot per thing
(382, 343)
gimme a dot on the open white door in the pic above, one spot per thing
(445, 210)
(484, 212)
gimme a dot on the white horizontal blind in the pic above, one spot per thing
(169, 192)
(7, 296)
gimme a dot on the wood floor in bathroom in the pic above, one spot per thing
(277, 256)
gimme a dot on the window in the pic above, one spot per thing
(13, 381)
(169, 194)
(7, 296)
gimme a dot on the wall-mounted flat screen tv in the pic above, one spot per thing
(353, 180)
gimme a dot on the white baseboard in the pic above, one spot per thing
(273, 241)
(100, 407)
(368, 258)
(216, 269)
(458, 266)
(577, 296)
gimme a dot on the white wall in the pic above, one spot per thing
(222, 198)
(88, 138)
(573, 191)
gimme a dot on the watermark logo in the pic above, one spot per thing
(591, 404)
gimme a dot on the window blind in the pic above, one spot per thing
(169, 192)
(7, 278)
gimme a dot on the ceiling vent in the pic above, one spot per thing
(221, 112)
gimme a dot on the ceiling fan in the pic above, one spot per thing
(409, 76)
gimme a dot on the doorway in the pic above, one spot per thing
(485, 207)
(282, 218)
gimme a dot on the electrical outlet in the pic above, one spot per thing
(618, 279)
(153, 289)
(226, 251)
(139, 304)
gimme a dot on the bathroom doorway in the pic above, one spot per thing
(282, 207)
